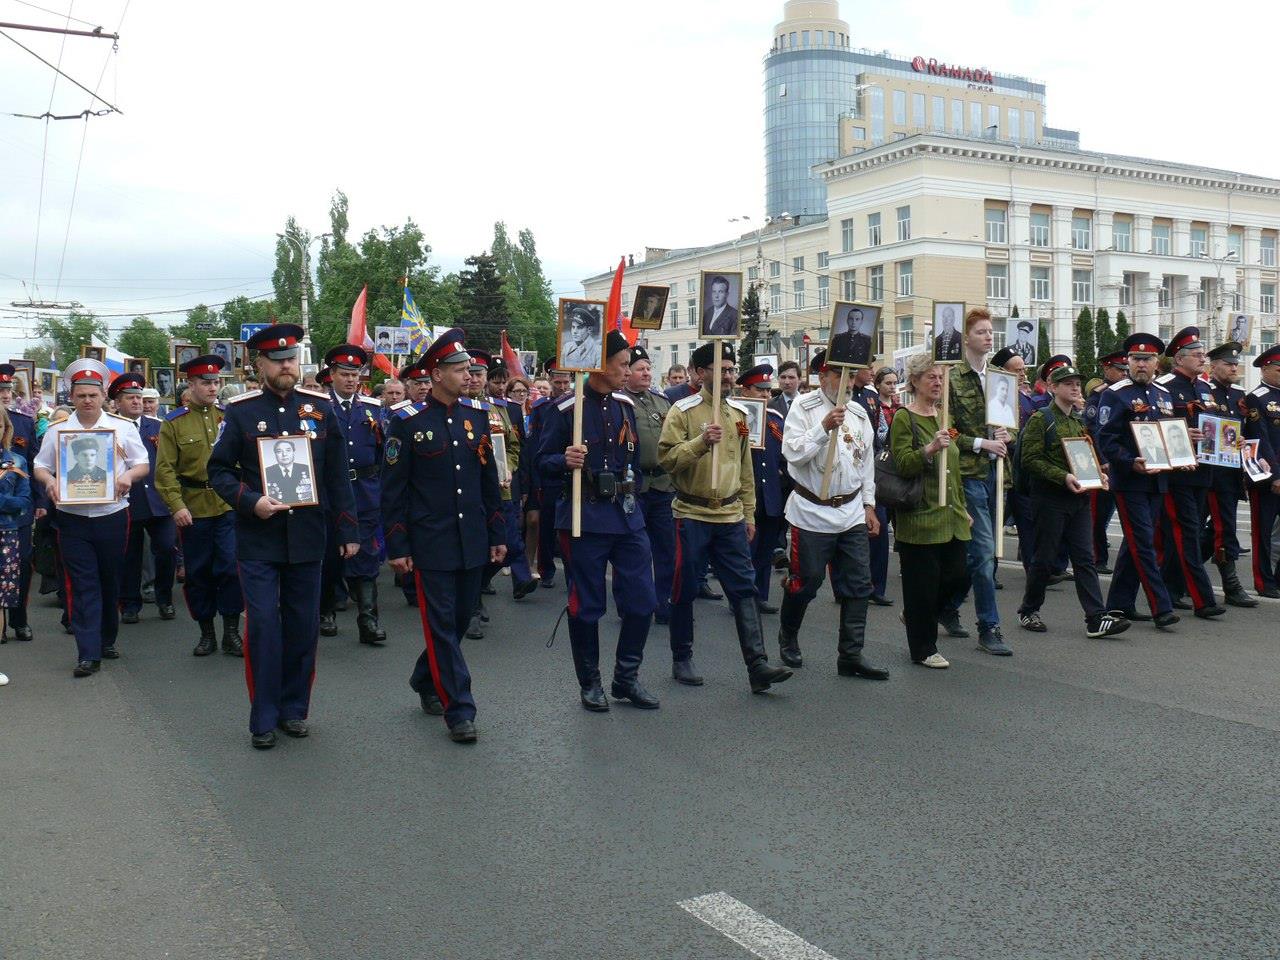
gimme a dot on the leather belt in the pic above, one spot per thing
(715, 503)
(364, 473)
(187, 483)
(837, 501)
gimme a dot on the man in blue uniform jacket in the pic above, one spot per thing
(771, 481)
(1262, 423)
(280, 548)
(442, 513)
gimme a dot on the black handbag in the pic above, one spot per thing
(893, 490)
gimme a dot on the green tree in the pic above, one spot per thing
(750, 328)
(528, 292)
(142, 338)
(66, 335)
(1086, 349)
(41, 353)
(287, 278)
(483, 301)
(1103, 336)
(1122, 329)
(200, 325)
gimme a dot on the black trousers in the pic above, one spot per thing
(1064, 518)
(932, 574)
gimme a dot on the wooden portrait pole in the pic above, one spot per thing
(715, 420)
(579, 380)
(999, 508)
(944, 423)
(833, 436)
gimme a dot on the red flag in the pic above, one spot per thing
(512, 359)
(358, 333)
(613, 313)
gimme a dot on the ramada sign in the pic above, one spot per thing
(972, 74)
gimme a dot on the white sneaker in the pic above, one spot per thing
(936, 661)
(3, 679)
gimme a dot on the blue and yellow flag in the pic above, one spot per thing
(411, 317)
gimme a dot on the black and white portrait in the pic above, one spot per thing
(288, 473)
(224, 350)
(853, 334)
(755, 414)
(184, 352)
(1177, 442)
(721, 302)
(1083, 462)
(650, 307)
(1150, 445)
(1238, 328)
(163, 382)
(384, 340)
(1002, 399)
(1022, 336)
(948, 332)
(581, 335)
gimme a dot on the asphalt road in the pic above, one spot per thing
(1080, 799)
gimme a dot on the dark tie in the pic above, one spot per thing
(346, 406)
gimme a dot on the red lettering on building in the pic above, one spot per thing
(955, 71)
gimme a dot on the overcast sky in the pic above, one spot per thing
(602, 127)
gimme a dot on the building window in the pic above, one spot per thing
(824, 291)
(1235, 244)
(1202, 295)
(831, 38)
(775, 268)
(693, 312)
(804, 38)
(692, 347)
(797, 264)
(753, 274)
(824, 258)
(1199, 242)
(1041, 291)
(1015, 127)
(875, 283)
(848, 285)
(675, 312)
(906, 331)
(691, 286)
(877, 114)
(1164, 297)
(993, 119)
(858, 133)
(957, 116)
(975, 118)
(939, 115)
(1039, 229)
(906, 279)
(904, 223)
(899, 108)
(793, 43)
(846, 235)
(675, 354)
(1082, 286)
(917, 111)
(1028, 126)
(775, 297)
(797, 291)
(1126, 290)
(1122, 235)
(1268, 250)
(873, 229)
(1237, 301)
(997, 281)
(1160, 241)
(1267, 300)
(996, 226)
(1082, 233)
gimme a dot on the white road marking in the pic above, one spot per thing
(750, 930)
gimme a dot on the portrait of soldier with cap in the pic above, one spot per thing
(1022, 338)
(853, 330)
(581, 346)
(651, 306)
(85, 474)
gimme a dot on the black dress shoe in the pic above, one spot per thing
(110, 653)
(522, 590)
(1182, 603)
(263, 741)
(706, 593)
(431, 703)
(764, 675)
(765, 607)
(23, 632)
(685, 672)
(1104, 569)
(475, 631)
(636, 695)
(1271, 593)
(881, 601)
(84, 668)
(129, 616)
(411, 599)
(547, 582)
(1166, 619)
(166, 611)
(464, 731)
(1133, 616)
(790, 655)
(294, 728)
(593, 698)
(1208, 613)
(860, 668)
(328, 625)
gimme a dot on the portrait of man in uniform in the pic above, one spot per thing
(581, 323)
(721, 297)
(164, 382)
(223, 350)
(948, 338)
(1238, 325)
(287, 470)
(853, 331)
(650, 307)
(1150, 446)
(86, 466)
(755, 412)
(1023, 337)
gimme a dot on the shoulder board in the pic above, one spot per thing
(733, 404)
(620, 395)
(811, 400)
(313, 393)
(147, 416)
(174, 415)
(539, 402)
(497, 401)
(1121, 384)
(1161, 386)
(407, 408)
(369, 400)
(658, 393)
(564, 403)
(1261, 390)
(775, 413)
(1167, 378)
(401, 405)
(689, 402)
(246, 396)
(125, 419)
(474, 404)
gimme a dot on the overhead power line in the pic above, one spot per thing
(59, 72)
(96, 32)
(56, 13)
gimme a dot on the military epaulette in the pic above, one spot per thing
(372, 401)
(246, 396)
(147, 416)
(539, 402)
(407, 408)
(313, 393)
(733, 404)
(180, 412)
(777, 413)
(811, 400)
(1121, 384)
(474, 404)
(564, 403)
(1167, 378)
(620, 395)
(1160, 386)
(402, 404)
(657, 393)
(1260, 390)
(125, 419)
(689, 402)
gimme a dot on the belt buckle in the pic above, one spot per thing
(713, 503)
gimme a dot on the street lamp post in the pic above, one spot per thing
(1230, 257)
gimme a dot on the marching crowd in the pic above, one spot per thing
(282, 504)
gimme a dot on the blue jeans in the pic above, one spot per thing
(980, 497)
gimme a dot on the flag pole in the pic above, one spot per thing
(579, 379)
(715, 421)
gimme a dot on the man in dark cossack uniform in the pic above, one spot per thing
(656, 490)
(280, 547)
(546, 492)
(442, 513)
(205, 523)
(1262, 423)
(612, 528)
(1139, 492)
(147, 511)
(1218, 540)
(1102, 503)
(361, 420)
(1185, 502)
(770, 472)
(417, 383)
(27, 444)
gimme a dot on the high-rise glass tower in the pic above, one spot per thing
(810, 79)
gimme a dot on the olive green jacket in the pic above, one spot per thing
(684, 454)
(1047, 463)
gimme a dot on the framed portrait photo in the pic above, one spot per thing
(581, 336)
(1150, 441)
(226, 351)
(181, 352)
(499, 441)
(384, 340)
(27, 365)
(1002, 399)
(720, 307)
(853, 334)
(1022, 336)
(48, 380)
(87, 466)
(529, 361)
(1177, 441)
(163, 380)
(948, 332)
(1239, 327)
(1253, 467)
(757, 417)
(288, 470)
(649, 307)
(139, 365)
(1082, 461)
(93, 353)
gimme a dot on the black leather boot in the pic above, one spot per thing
(1232, 589)
(232, 645)
(365, 594)
(584, 642)
(792, 616)
(746, 617)
(853, 631)
(626, 669)
(208, 642)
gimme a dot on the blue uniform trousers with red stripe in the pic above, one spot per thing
(212, 585)
(282, 603)
(585, 558)
(446, 600)
(1219, 540)
(163, 535)
(725, 547)
(767, 530)
(660, 527)
(92, 550)
(1264, 507)
(1182, 563)
(1136, 566)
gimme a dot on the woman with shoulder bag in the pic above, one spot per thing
(15, 511)
(930, 540)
